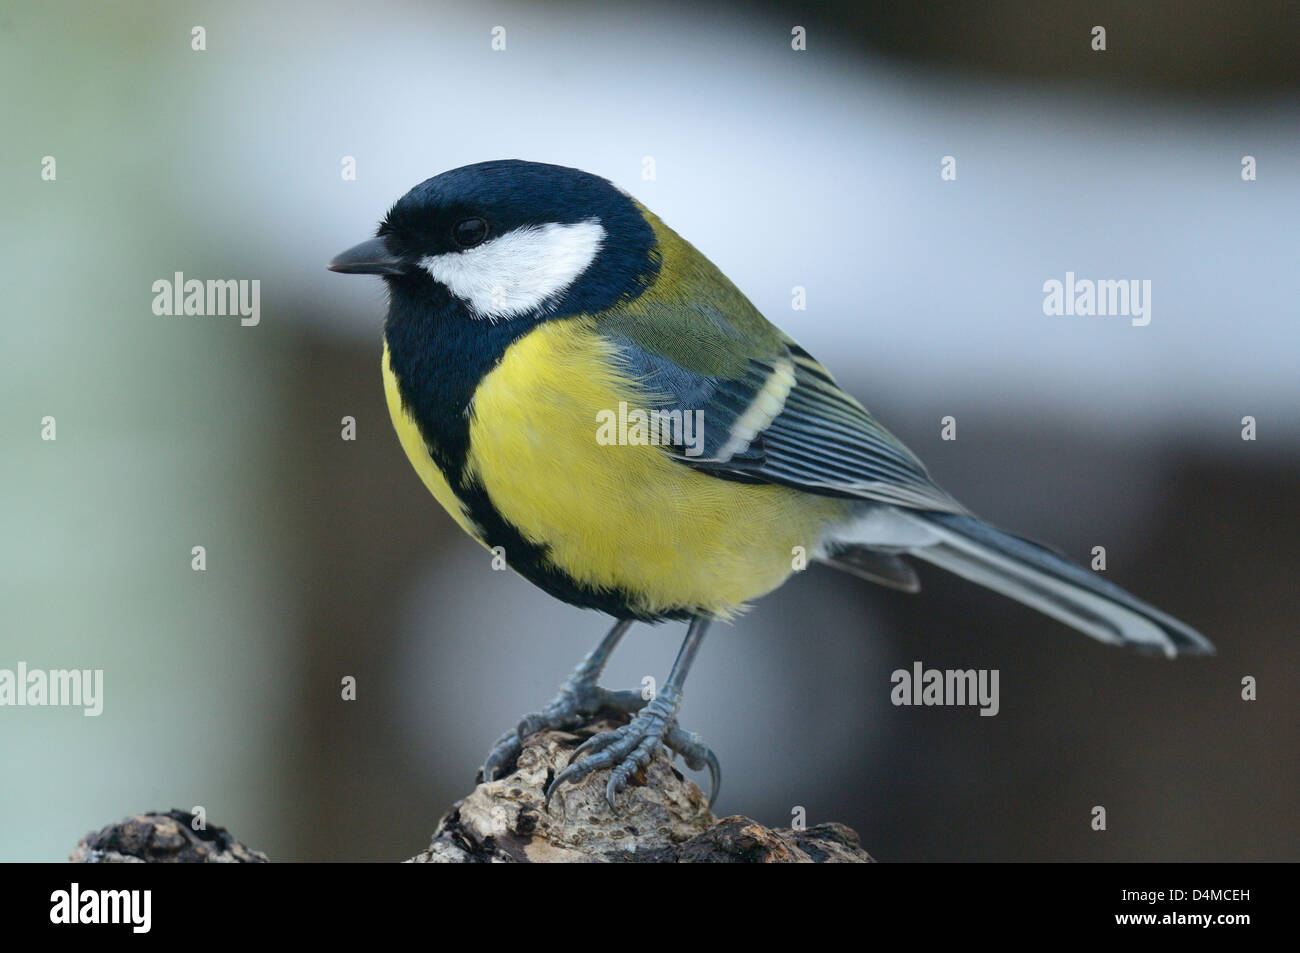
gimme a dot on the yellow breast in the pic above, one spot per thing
(619, 516)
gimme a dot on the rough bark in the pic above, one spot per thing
(662, 817)
(168, 838)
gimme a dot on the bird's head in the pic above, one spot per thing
(507, 239)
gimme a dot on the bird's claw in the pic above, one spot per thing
(629, 748)
(576, 702)
(696, 754)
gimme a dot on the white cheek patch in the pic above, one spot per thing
(518, 272)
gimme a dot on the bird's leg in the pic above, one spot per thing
(630, 748)
(579, 698)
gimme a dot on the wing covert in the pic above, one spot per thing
(784, 420)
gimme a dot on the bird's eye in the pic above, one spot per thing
(470, 232)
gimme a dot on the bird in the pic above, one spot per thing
(589, 396)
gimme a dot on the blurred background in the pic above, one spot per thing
(817, 168)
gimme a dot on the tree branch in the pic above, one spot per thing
(662, 817)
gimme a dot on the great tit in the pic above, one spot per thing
(531, 307)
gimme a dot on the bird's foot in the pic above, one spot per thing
(577, 702)
(629, 749)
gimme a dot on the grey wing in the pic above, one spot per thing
(786, 421)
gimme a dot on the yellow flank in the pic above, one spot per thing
(409, 435)
(621, 516)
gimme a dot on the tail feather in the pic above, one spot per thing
(1038, 577)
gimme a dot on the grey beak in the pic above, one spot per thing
(368, 258)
